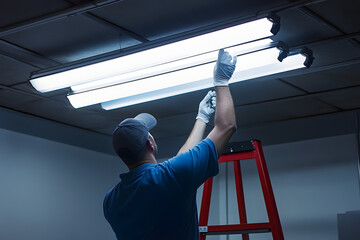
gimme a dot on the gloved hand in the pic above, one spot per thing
(224, 68)
(207, 107)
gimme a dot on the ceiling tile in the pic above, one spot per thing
(57, 111)
(343, 14)
(293, 33)
(171, 17)
(261, 90)
(75, 38)
(334, 52)
(345, 99)
(328, 79)
(281, 110)
(13, 99)
(21, 10)
(13, 71)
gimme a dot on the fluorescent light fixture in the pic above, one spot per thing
(171, 66)
(249, 66)
(289, 63)
(201, 44)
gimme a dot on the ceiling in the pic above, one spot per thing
(40, 34)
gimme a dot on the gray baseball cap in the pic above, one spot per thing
(130, 136)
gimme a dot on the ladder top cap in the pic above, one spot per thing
(242, 146)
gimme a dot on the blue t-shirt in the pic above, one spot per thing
(158, 201)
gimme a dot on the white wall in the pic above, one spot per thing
(51, 190)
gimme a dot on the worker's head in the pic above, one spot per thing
(132, 139)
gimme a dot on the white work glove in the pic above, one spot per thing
(207, 107)
(224, 68)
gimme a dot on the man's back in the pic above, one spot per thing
(158, 201)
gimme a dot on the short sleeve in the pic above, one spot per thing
(194, 167)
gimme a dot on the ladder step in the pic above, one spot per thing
(235, 229)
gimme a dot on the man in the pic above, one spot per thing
(157, 200)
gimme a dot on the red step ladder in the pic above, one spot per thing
(241, 151)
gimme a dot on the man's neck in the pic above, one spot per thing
(147, 159)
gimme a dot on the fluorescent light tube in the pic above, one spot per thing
(290, 63)
(248, 66)
(224, 38)
(171, 66)
(140, 86)
(159, 94)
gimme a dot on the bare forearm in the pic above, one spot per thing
(225, 120)
(225, 112)
(195, 136)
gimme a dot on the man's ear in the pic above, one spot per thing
(150, 145)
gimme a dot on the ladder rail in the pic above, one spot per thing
(205, 203)
(240, 196)
(268, 192)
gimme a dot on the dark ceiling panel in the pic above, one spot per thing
(328, 79)
(71, 39)
(56, 111)
(281, 110)
(13, 71)
(343, 14)
(22, 10)
(334, 52)
(261, 90)
(77, 2)
(93, 108)
(90, 111)
(293, 33)
(162, 18)
(346, 99)
(24, 55)
(13, 99)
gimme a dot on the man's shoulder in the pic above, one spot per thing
(110, 193)
(205, 145)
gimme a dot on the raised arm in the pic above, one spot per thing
(206, 108)
(225, 120)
